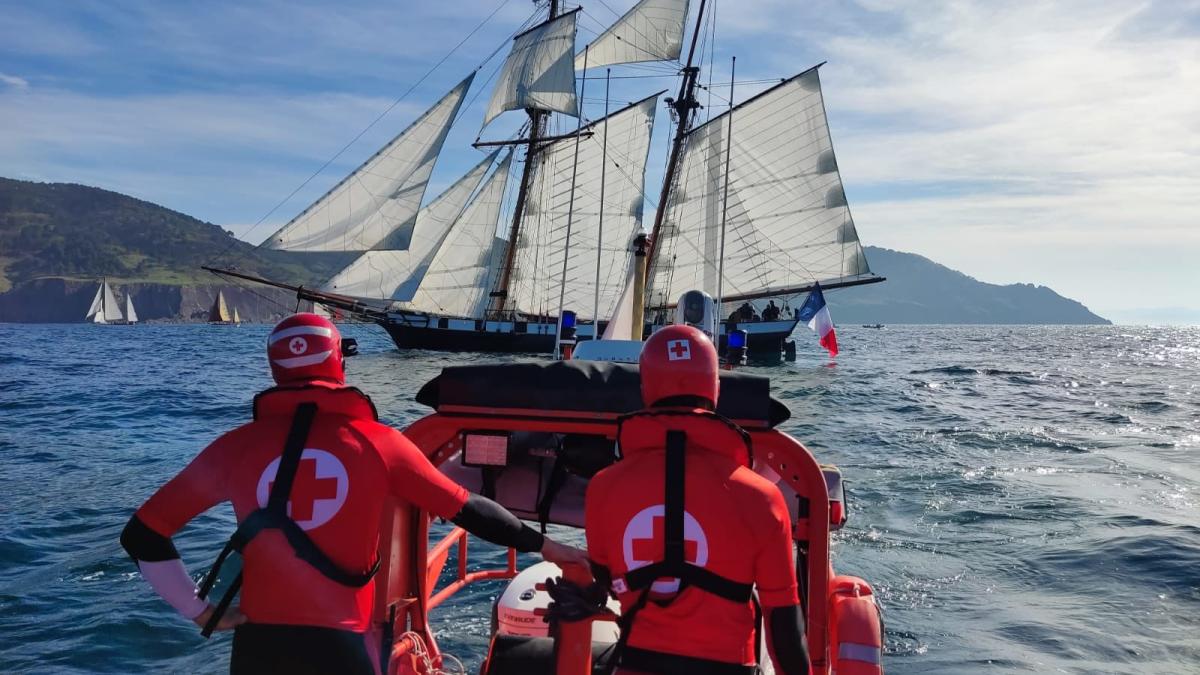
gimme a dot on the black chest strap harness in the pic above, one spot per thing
(674, 565)
(274, 517)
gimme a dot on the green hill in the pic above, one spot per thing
(75, 231)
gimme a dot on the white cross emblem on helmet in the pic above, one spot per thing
(298, 345)
(679, 350)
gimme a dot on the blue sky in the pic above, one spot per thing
(1053, 142)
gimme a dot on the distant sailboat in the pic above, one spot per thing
(219, 314)
(107, 310)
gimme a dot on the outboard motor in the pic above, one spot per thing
(698, 309)
(519, 610)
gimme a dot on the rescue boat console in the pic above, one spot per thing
(531, 436)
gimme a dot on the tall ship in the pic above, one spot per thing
(751, 205)
(106, 309)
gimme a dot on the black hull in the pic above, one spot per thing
(461, 335)
(458, 340)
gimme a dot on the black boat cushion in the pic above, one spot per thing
(585, 386)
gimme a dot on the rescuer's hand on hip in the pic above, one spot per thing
(232, 618)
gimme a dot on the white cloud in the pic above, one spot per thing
(14, 81)
(1018, 141)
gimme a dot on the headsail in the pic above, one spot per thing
(788, 224)
(395, 274)
(381, 197)
(220, 311)
(538, 73)
(538, 277)
(456, 282)
(95, 312)
(652, 30)
(130, 314)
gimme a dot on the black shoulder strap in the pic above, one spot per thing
(289, 461)
(673, 499)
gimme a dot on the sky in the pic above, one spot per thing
(1054, 142)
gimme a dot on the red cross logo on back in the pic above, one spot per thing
(644, 539)
(318, 491)
(652, 548)
(307, 488)
(679, 350)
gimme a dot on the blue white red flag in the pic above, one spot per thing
(816, 314)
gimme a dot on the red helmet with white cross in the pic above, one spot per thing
(305, 347)
(679, 362)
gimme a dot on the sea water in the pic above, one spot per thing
(1023, 499)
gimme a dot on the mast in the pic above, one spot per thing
(600, 234)
(684, 107)
(725, 196)
(537, 121)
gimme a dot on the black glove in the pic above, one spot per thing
(572, 602)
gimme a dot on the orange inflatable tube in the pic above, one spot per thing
(855, 628)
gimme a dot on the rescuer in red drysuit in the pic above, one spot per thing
(732, 531)
(294, 617)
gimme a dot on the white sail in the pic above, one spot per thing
(130, 314)
(538, 272)
(95, 312)
(457, 281)
(652, 30)
(787, 222)
(105, 308)
(538, 72)
(620, 324)
(395, 274)
(381, 197)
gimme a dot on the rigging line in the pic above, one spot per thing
(360, 134)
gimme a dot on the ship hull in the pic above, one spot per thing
(429, 331)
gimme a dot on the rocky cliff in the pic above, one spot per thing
(59, 300)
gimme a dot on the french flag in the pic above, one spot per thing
(816, 314)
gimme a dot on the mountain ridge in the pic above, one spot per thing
(78, 233)
(919, 290)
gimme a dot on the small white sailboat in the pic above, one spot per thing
(107, 310)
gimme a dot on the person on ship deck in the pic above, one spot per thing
(307, 478)
(691, 540)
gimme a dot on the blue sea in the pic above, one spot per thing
(1023, 499)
